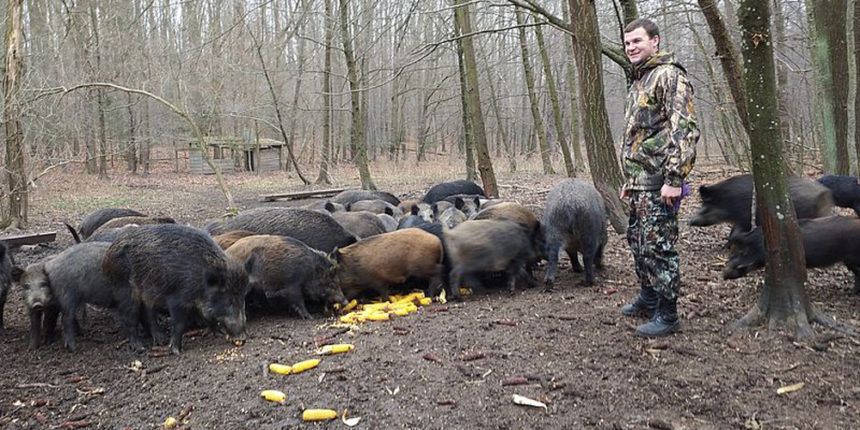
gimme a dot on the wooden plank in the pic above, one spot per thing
(29, 239)
(301, 194)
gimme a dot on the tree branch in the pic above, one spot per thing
(201, 143)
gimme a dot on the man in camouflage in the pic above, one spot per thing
(658, 152)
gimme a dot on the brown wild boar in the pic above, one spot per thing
(378, 263)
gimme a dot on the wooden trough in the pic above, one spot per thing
(28, 239)
(301, 195)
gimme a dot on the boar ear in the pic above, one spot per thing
(389, 211)
(459, 203)
(705, 192)
(17, 273)
(252, 261)
(73, 232)
(435, 209)
(329, 206)
(477, 203)
(413, 210)
(348, 207)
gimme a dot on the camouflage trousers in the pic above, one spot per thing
(651, 233)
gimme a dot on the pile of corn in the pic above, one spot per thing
(399, 305)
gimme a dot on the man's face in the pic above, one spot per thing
(638, 46)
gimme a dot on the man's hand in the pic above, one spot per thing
(670, 194)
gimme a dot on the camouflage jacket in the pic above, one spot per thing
(661, 130)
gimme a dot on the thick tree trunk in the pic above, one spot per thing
(323, 177)
(467, 142)
(831, 64)
(476, 115)
(602, 158)
(534, 102)
(570, 69)
(783, 300)
(16, 170)
(556, 106)
(857, 83)
(357, 138)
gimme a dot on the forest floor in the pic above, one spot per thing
(578, 354)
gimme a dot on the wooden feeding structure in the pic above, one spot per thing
(234, 154)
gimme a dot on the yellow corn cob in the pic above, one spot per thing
(351, 305)
(401, 305)
(305, 365)
(465, 291)
(376, 306)
(408, 308)
(336, 349)
(281, 369)
(378, 316)
(170, 423)
(319, 414)
(425, 301)
(411, 297)
(274, 396)
(394, 298)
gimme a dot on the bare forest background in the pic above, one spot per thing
(131, 84)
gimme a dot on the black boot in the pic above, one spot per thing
(664, 322)
(644, 304)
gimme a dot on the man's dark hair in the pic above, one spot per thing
(648, 25)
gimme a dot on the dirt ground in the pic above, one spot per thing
(576, 351)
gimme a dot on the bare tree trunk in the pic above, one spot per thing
(323, 177)
(857, 83)
(485, 165)
(602, 158)
(16, 170)
(131, 148)
(528, 74)
(468, 141)
(570, 68)
(783, 300)
(831, 64)
(100, 97)
(147, 140)
(556, 106)
(357, 132)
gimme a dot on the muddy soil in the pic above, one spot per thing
(443, 367)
